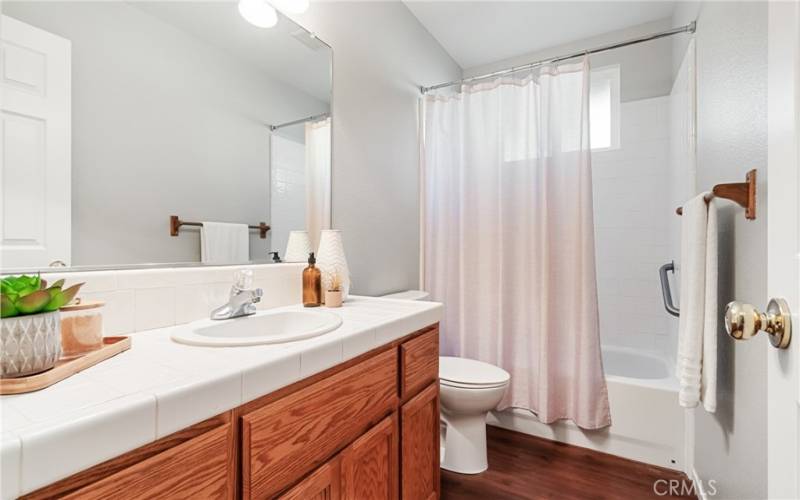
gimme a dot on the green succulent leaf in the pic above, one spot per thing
(7, 308)
(71, 292)
(31, 295)
(33, 302)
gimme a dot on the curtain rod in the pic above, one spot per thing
(689, 28)
(301, 120)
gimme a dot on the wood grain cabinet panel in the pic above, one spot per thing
(197, 469)
(322, 484)
(369, 465)
(419, 363)
(420, 447)
(288, 438)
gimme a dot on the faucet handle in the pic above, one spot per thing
(243, 279)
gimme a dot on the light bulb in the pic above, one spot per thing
(258, 13)
(291, 6)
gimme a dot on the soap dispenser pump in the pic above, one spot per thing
(312, 283)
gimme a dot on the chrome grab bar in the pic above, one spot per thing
(666, 293)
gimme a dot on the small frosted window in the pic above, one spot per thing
(604, 108)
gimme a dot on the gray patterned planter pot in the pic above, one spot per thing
(29, 344)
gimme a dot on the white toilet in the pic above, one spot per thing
(468, 390)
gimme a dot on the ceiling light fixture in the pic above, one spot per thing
(258, 13)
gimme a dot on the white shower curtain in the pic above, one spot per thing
(318, 178)
(509, 237)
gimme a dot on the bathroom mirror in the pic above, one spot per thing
(128, 124)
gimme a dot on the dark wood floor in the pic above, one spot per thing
(527, 467)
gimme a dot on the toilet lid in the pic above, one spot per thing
(408, 295)
(470, 373)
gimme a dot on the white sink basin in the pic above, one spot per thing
(265, 327)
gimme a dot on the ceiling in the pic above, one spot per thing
(276, 51)
(482, 32)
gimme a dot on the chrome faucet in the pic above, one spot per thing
(242, 301)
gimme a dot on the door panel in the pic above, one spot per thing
(783, 246)
(420, 448)
(322, 484)
(35, 216)
(369, 465)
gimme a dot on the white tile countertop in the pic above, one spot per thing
(159, 387)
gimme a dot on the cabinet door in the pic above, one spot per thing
(288, 438)
(369, 465)
(322, 484)
(420, 448)
(197, 469)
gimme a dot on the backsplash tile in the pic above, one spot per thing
(117, 312)
(143, 299)
(154, 308)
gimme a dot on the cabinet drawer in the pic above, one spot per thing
(286, 439)
(419, 363)
(202, 467)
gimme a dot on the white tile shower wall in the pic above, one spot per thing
(288, 195)
(631, 213)
(138, 300)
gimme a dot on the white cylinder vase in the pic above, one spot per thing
(298, 247)
(331, 260)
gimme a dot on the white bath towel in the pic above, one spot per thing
(223, 243)
(697, 331)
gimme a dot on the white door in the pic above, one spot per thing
(35, 137)
(783, 271)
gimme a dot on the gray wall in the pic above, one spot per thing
(381, 54)
(731, 445)
(645, 69)
(162, 123)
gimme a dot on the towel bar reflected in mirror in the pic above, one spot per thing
(175, 224)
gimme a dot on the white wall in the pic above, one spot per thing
(381, 54)
(631, 216)
(162, 124)
(730, 445)
(645, 68)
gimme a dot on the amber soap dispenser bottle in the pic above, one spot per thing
(312, 283)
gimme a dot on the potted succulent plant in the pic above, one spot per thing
(333, 295)
(30, 330)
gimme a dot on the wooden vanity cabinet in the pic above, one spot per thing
(367, 429)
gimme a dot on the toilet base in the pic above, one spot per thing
(464, 449)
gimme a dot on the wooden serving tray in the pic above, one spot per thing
(65, 367)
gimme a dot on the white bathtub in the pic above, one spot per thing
(646, 422)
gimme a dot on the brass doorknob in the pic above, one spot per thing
(743, 321)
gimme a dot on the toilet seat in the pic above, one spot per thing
(470, 374)
(448, 383)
